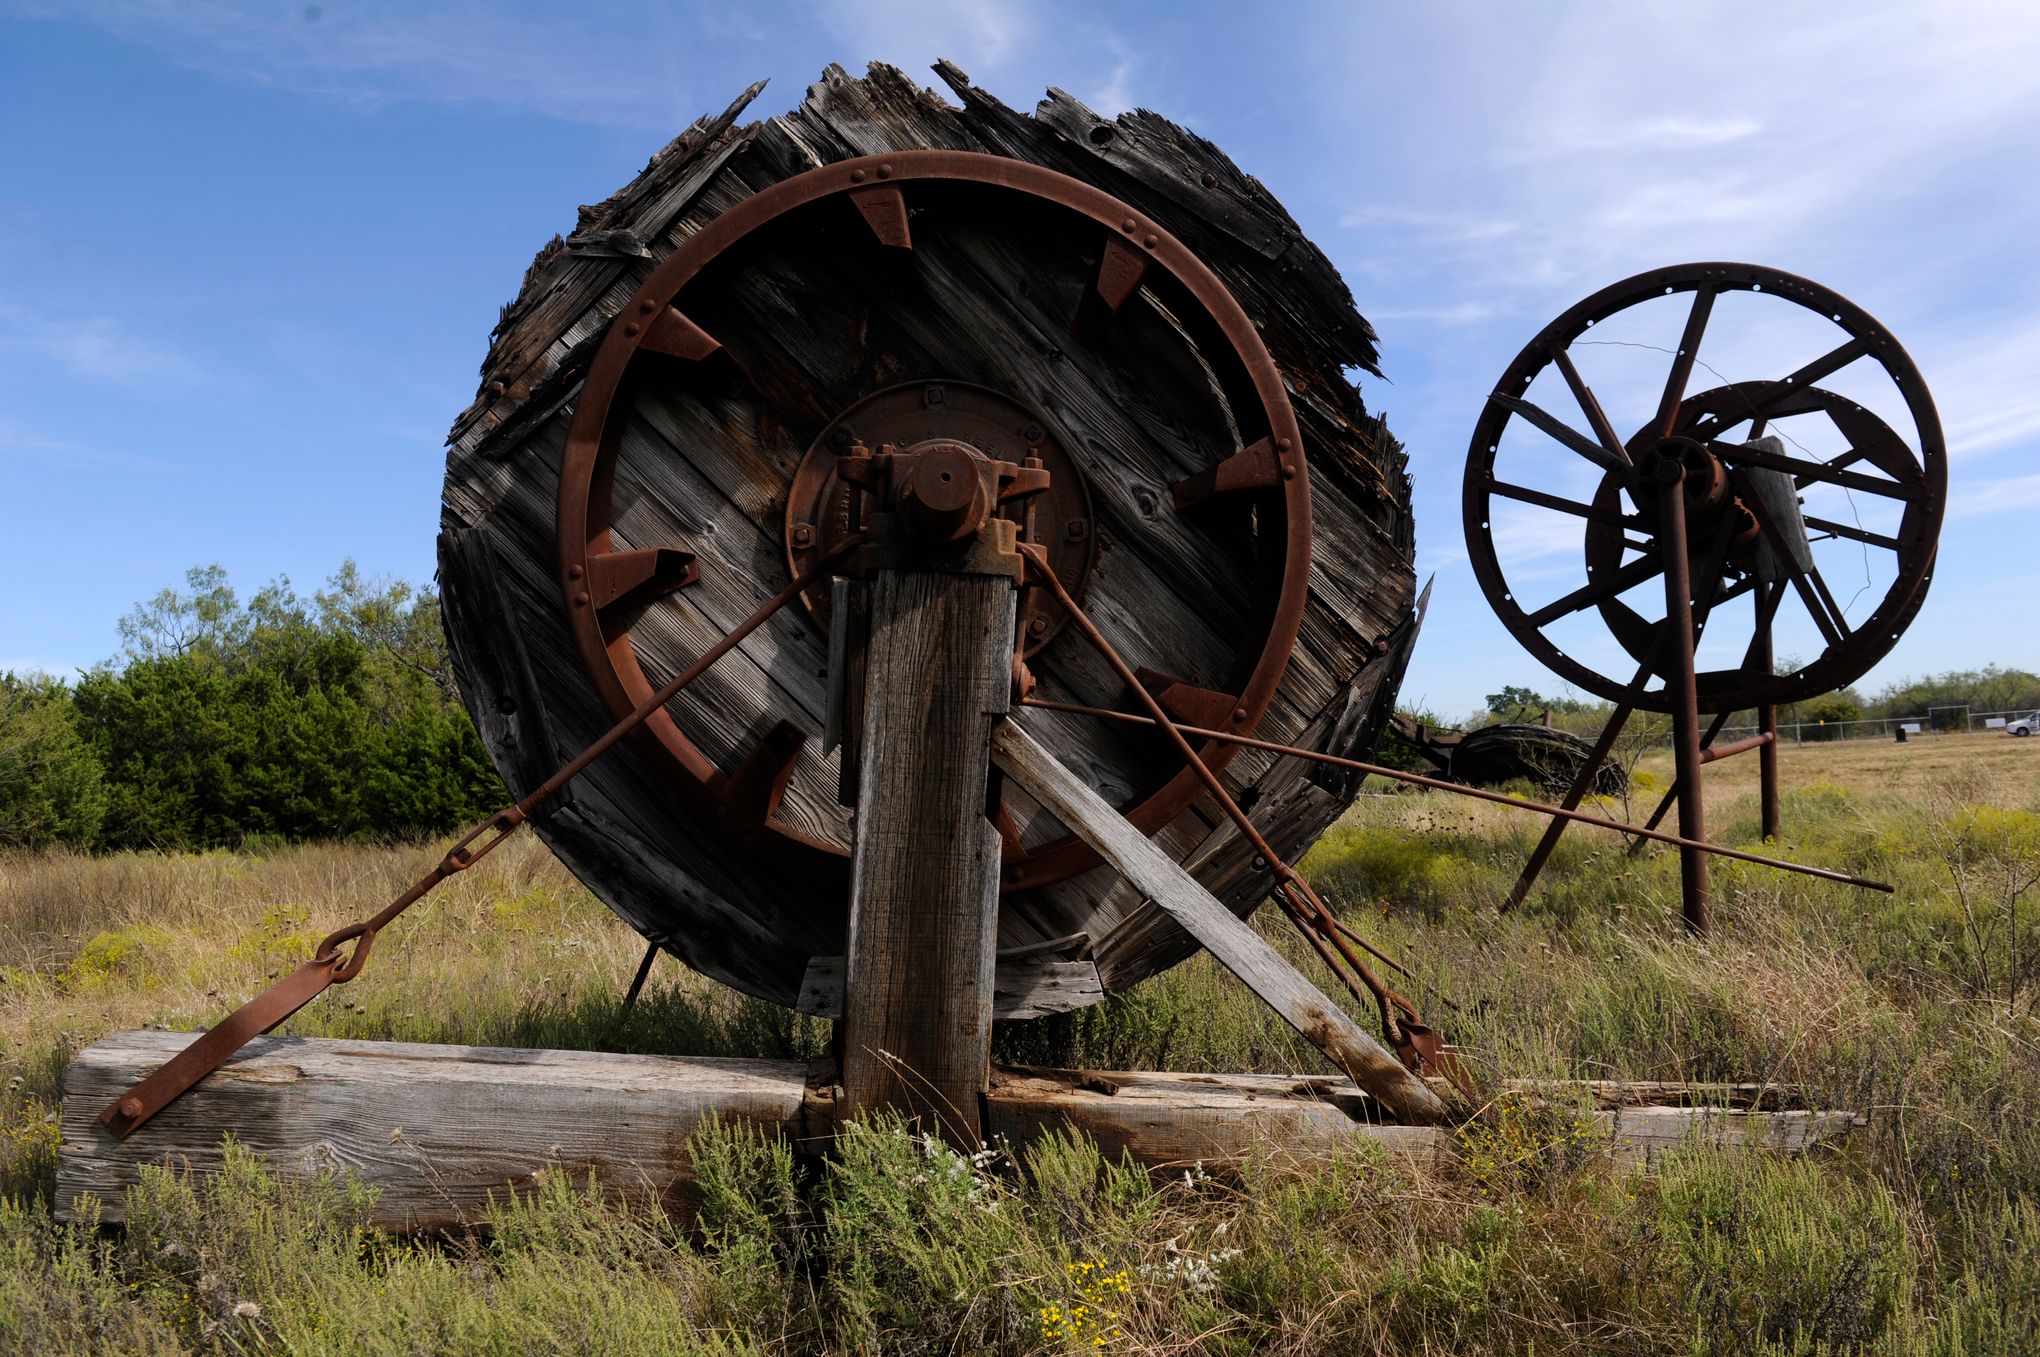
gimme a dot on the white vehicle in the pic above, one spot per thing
(2025, 725)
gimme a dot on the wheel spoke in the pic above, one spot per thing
(1829, 363)
(1818, 601)
(1803, 470)
(1590, 407)
(1767, 612)
(1562, 505)
(1543, 419)
(1619, 581)
(1853, 533)
(1827, 599)
(1682, 362)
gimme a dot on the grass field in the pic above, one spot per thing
(1920, 1235)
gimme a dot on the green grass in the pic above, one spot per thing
(1920, 1234)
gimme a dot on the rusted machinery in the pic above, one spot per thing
(1703, 517)
(926, 565)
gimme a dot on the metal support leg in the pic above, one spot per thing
(1680, 685)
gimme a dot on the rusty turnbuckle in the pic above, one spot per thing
(330, 965)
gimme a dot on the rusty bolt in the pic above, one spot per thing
(647, 306)
(934, 395)
(1126, 225)
(1032, 433)
(574, 572)
(885, 171)
(1208, 179)
(1149, 240)
(1282, 445)
(497, 389)
(1037, 626)
(1289, 471)
(1239, 713)
(1260, 863)
(857, 176)
(631, 328)
(131, 1108)
(840, 436)
(1077, 529)
(803, 534)
(581, 600)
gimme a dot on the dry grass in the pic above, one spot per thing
(2005, 769)
(1918, 1008)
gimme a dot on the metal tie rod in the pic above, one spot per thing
(1420, 780)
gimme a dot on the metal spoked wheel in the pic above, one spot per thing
(1813, 493)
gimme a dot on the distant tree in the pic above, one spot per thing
(1820, 718)
(1515, 703)
(282, 717)
(1988, 689)
(52, 790)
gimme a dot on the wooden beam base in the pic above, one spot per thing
(437, 1129)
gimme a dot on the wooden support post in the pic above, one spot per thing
(924, 895)
(1227, 936)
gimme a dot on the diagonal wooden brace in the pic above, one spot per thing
(1224, 934)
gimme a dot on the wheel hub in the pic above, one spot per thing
(820, 505)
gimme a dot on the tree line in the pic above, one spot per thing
(227, 721)
(1990, 689)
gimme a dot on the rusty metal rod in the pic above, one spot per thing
(1680, 683)
(327, 966)
(1734, 747)
(1419, 780)
(1671, 795)
(1310, 906)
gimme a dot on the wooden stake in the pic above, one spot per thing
(924, 896)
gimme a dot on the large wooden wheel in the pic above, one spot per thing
(1832, 469)
(790, 229)
(654, 453)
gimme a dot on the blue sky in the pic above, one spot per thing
(250, 253)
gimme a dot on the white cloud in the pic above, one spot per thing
(1992, 497)
(578, 63)
(96, 349)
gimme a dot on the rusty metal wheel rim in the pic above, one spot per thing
(588, 466)
(1700, 416)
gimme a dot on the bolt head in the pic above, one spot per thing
(885, 171)
(857, 176)
(131, 1108)
(1037, 626)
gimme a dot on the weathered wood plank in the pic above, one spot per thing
(924, 880)
(1236, 945)
(436, 1128)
